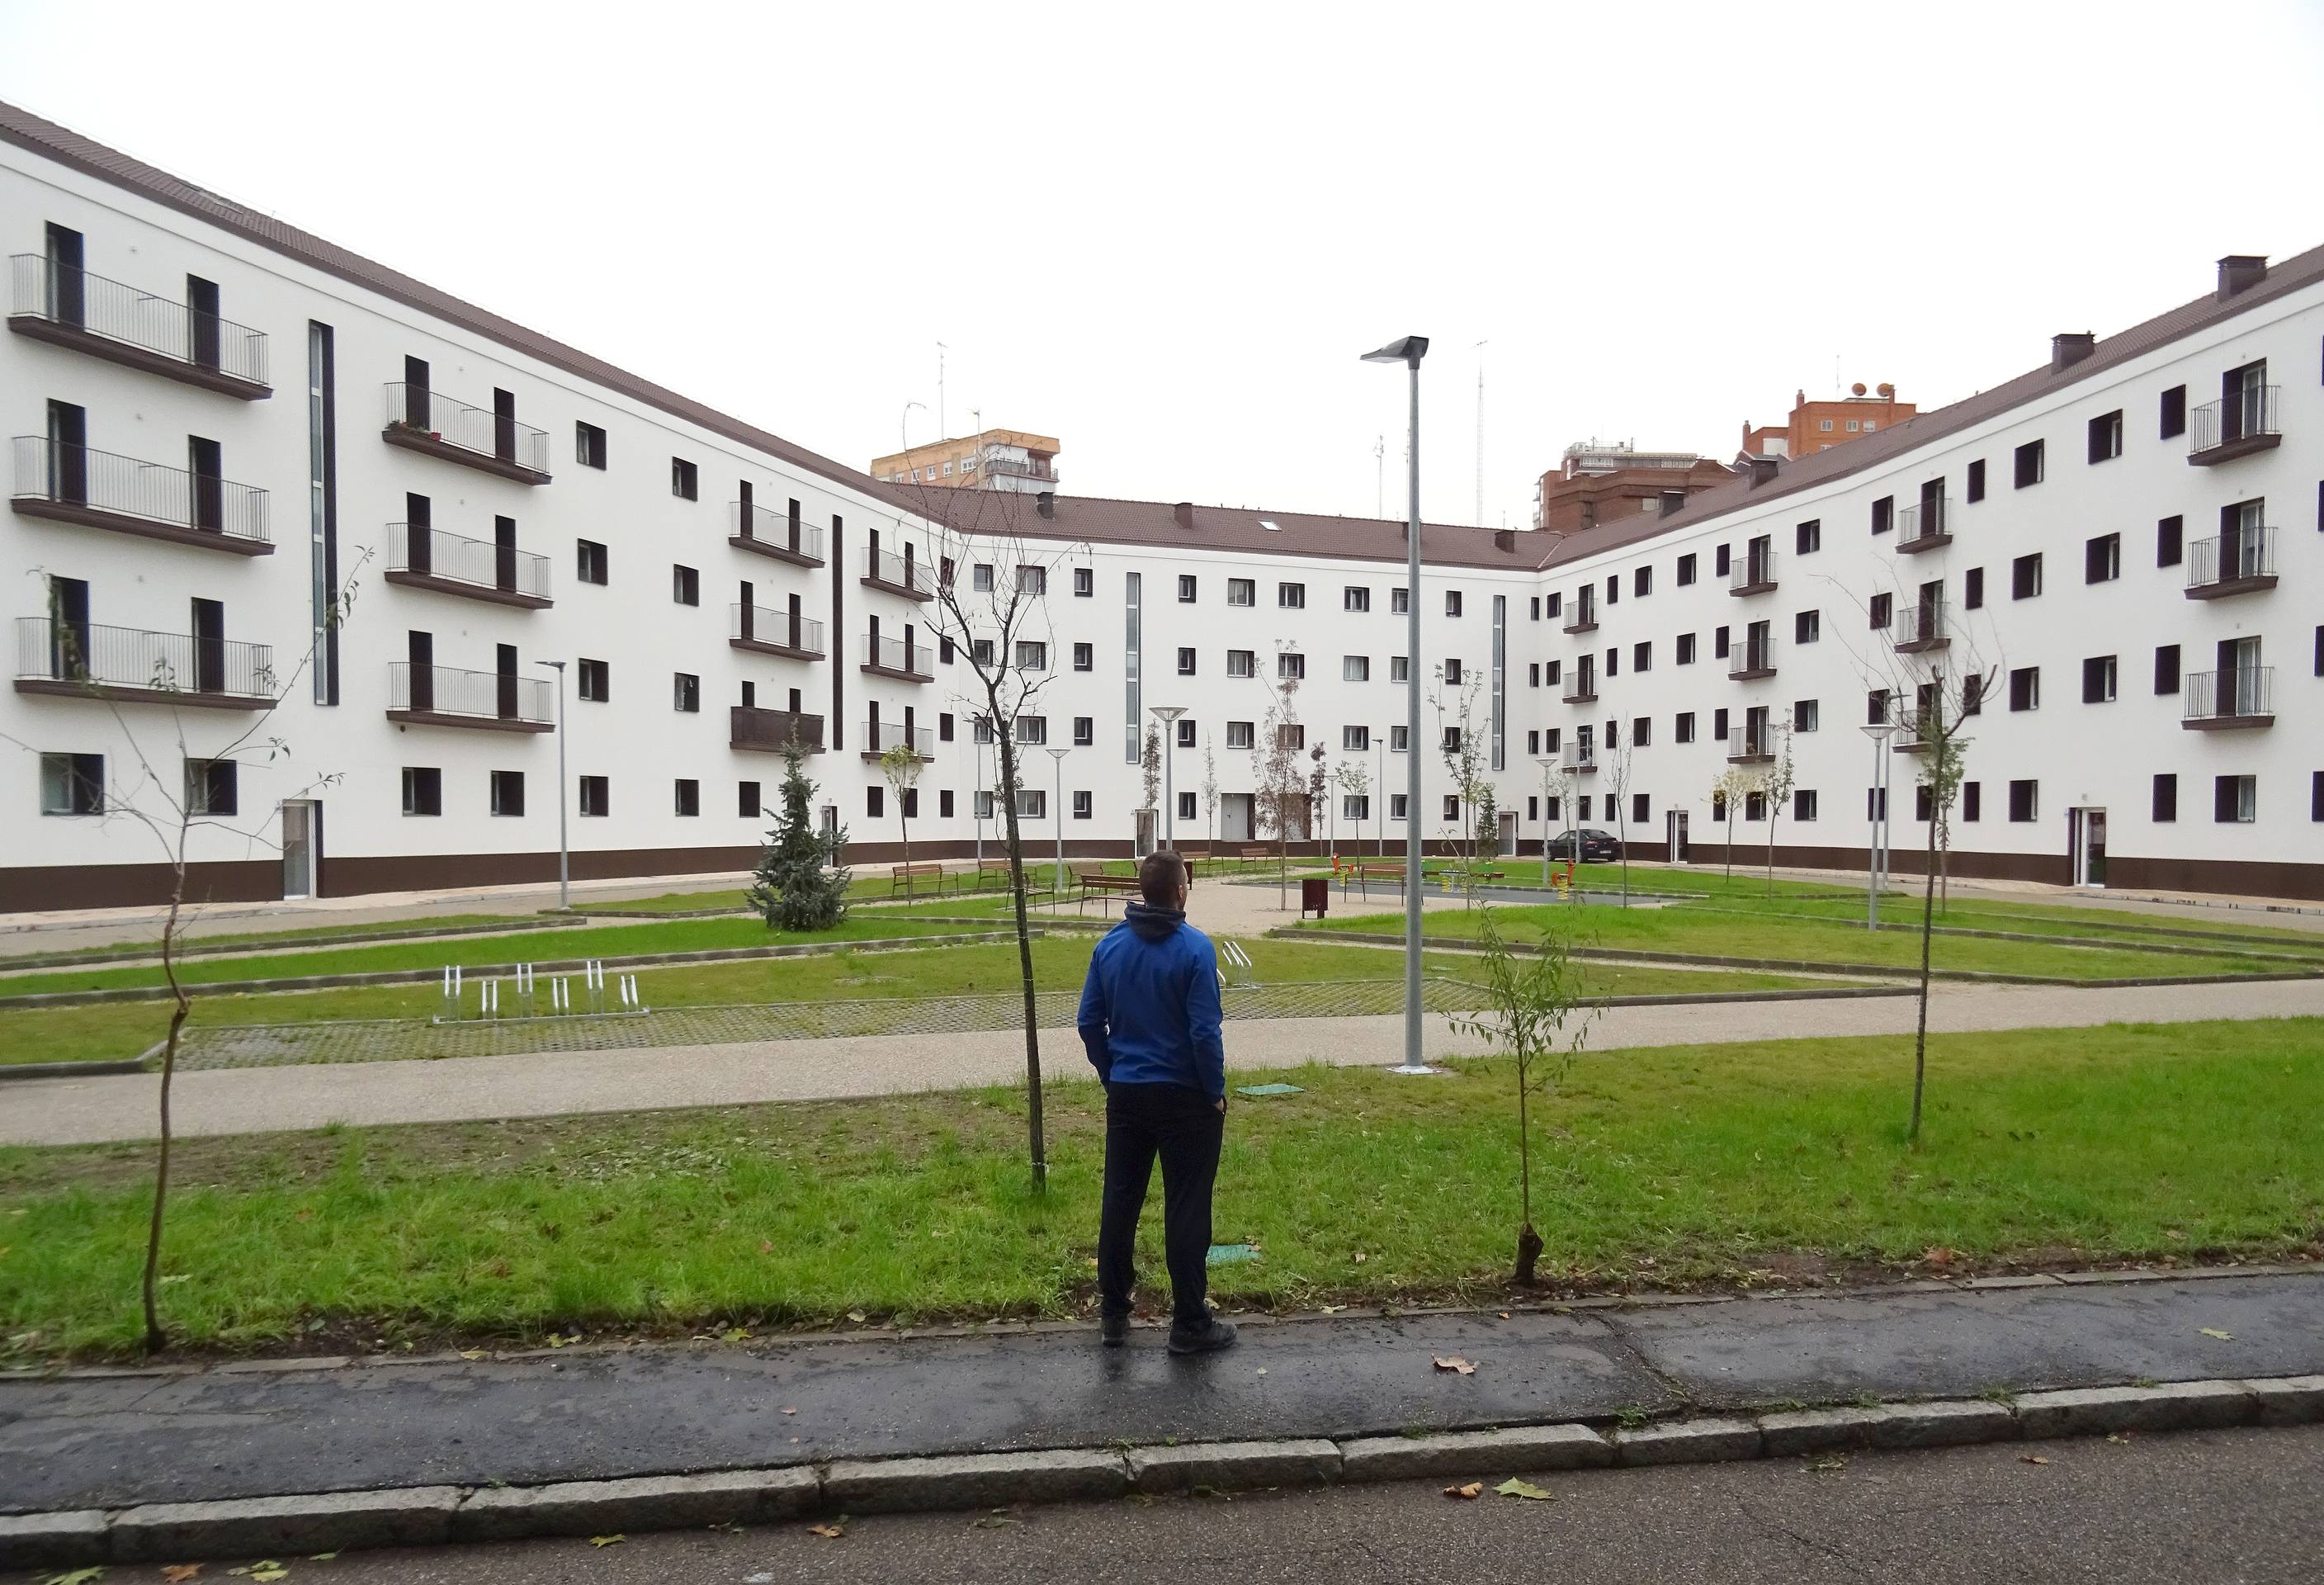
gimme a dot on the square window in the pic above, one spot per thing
(1240, 735)
(1186, 807)
(2025, 577)
(1185, 661)
(2106, 436)
(597, 797)
(688, 796)
(1642, 656)
(1085, 657)
(1353, 598)
(1186, 588)
(1291, 596)
(1807, 627)
(2235, 799)
(1082, 805)
(1290, 666)
(2028, 464)
(684, 483)
(1686, 570)
(2098, 677)
(1884, 611)
(686, 692)
(1242, 591)
(2170, 540)
(1185, 725)
(2024, 802)
(1884, 514)
(685, 586)
(1085, 731)
(1453, 806)
(2025, 688)
(1683, 727)
(1642, 581)
(1085, 582)
(1356, 739)
(590, 562)
(1452, 602)
(1803, 804)
(1686, 647)
(588, 445)
(1399, 739)
(747, 805)
(1808, 539)
(1452, 672)
(424, 790)
(212, 787)
(979, 578)
(1355, 668)
(596, 681)
(1642, 731)
(508, 793)
(2102, 559)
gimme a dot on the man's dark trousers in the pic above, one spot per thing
(1183, 1128)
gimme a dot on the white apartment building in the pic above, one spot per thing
(219, 423)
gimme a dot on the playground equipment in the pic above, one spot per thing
(524, 981)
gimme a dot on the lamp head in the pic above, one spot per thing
(1404, 350)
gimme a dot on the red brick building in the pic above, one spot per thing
(1594, 484)
(1815, 426)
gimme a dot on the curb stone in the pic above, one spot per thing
(434, 1514)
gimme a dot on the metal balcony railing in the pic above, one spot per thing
(2230, 558)
(415, 410)
(879, 736)
(772, 730)
(753, 521)
(111, 311)
(1744, 746)
(1013, 469)
(899, 571)
(431, 552)
(1582, 616)
(1920, 523)
(444, 691)
(893, 654)
(75, 476)
(765, 625)
(1754, 654)
(1579, 757)
(2247, 415)
(1752, 572)
(1581, 688)
(127, 657)
(2227, 696)
(1919, 625)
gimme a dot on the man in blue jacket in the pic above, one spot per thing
(1151, 1019)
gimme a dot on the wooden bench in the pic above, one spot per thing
(902, 877)
(1095, 883)
(1247, 857)
(1363, 874)
(998, 868)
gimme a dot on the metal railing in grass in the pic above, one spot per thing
(111, 311)
(126, 486)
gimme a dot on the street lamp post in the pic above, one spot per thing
(1408, 351)
(1380, 787)
(564, 850)
(1879, 731)
(1057, 880)
(1547, 766)
(1168, 714)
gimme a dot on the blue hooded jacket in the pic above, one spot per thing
(1150, 1007)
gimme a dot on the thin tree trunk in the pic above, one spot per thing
(180, 1006)
(1920, 1029)
(1771, 847)
(1024, 962)
(1528, 1240)
(904, 824)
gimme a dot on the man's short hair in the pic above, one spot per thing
(1160, 874)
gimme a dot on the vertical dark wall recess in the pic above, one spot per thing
(837, 560)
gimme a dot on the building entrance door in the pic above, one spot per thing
(2088, 839)
(1674, 823)
(1235, 817)
(301, 847)
(1508, 843)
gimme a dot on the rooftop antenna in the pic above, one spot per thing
(942, 432)
(1380, 475)
(1478, 514)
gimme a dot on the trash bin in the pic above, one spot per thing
(1315, 893)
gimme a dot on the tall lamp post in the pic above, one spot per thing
(1548, 766)
(1879, 731)
(1057, 880)
(1379, 788)
(1168, 714)
(564, 850)
(1408, 351)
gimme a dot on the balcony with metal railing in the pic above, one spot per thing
(892, 657)
(879, 736)
(428, 558)
(2235, 426)
(2243, 562)
(2241, 699)
(443, 696)
(130, 666)
(769, 632)
(1581, 758)
(758, 731)
(1752, 573)
(1580, 687)
(774, 534)
(1011, 468)
(1752, 659)
(1919, 629)
(1907, 738)
(97, 489)
(898, 575)
(429, 421)
(1584, 616)
(1924, 526)
(69, 307)
(1743, 748)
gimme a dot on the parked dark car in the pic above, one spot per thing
(1597, 846)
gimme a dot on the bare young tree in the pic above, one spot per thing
(1462, 762)
(1279, 788)
(1776, 783)
(1149, 771)
(900, 764)
(1319, 811)
(172, 808)
(1355, 780)
(1618, 781)
(1210, 796)
(992, 602)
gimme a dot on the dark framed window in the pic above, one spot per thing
(685, 481)
(1803, 804)
(1808, 538)
(2025, 577)
(2166, 668)
(590, 558)
(1686, 570)
(1642, 656)
(1685, 651)
(747, 805)
(1085, 582)
(2166, 785)
(2170, 542)
(508, 793)
(875, 803)
(424, 790)
(2235, 799)
(2102, 559)
(588, 445)
(1884, 611)
(1884, 514)
(1973, 588)
(2106, 436)
(2024, 802)
(597, 796)
(1807, 627)
(1975, 489)
(2173, 413)
(2025, 688)
(2098, 679)
(686, 692)
(2028, 464)
(685, 585)
(212, 787)
(1642, 581)
(594, 680)
(1682, 727)
(1972, 800)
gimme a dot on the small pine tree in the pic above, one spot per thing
(1489, 823)
(800, 884)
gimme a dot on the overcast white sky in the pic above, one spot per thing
(1163, 234)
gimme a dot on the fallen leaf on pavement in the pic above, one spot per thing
(1469, 1493)
(179, 1573)
(607, 1540)
(322, 1557)
(2032, 1459)
(78, 1576)
(267, 1572)
(828, 1532)
(790, 1411)
(856, 1316)
(471, 1353)
(1505, 1315)
(2212, 1331)
(1513, 1487)
(1826, 1464)
(1333, 1309)
(1455, 1364)
(735, 1334)
(998, 1519)
(1937, 1254)
(2118, 1437)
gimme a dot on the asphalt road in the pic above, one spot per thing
(2219, 1507)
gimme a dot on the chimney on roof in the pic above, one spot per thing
(1184, 513)
(2240, 271)
(1672, 500)
(1505, 539)
(2069, 349)
(1763, 470)
(1045, 502)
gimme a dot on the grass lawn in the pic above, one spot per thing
(1689, 1164)
(609, 941)
(289, 938)
(107, 1032)
(1681, 928)
(2041, 919)
(870, 884)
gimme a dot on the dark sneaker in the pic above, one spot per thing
(1219, 1334)
(1113, 1330)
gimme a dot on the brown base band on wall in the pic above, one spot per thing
(36, 888)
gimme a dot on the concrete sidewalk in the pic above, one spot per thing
(111, 1439)
(256, 1101)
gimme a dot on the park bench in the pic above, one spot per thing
(1247, 857)
(1095, 883)
(998, 868)
(1363, 874)
(904, 878)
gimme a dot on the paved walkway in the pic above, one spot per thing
(255, 1100)
(117, 1438)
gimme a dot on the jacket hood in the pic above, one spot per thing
(1151, 923)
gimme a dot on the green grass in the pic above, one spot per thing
(108, 1032)
(1686, 1165)
(613, 941)
(196, 936)
(2043, 920)
(1720, 932)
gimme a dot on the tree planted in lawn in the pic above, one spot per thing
(1209, 795)
(1280, 790)
(900, 764)
(1733, 786)
(1533, 1011)
(1943, 707)
(1354, 779)
(1776, 783)
(1462, 762)
(1619, 778)
(799, 884)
